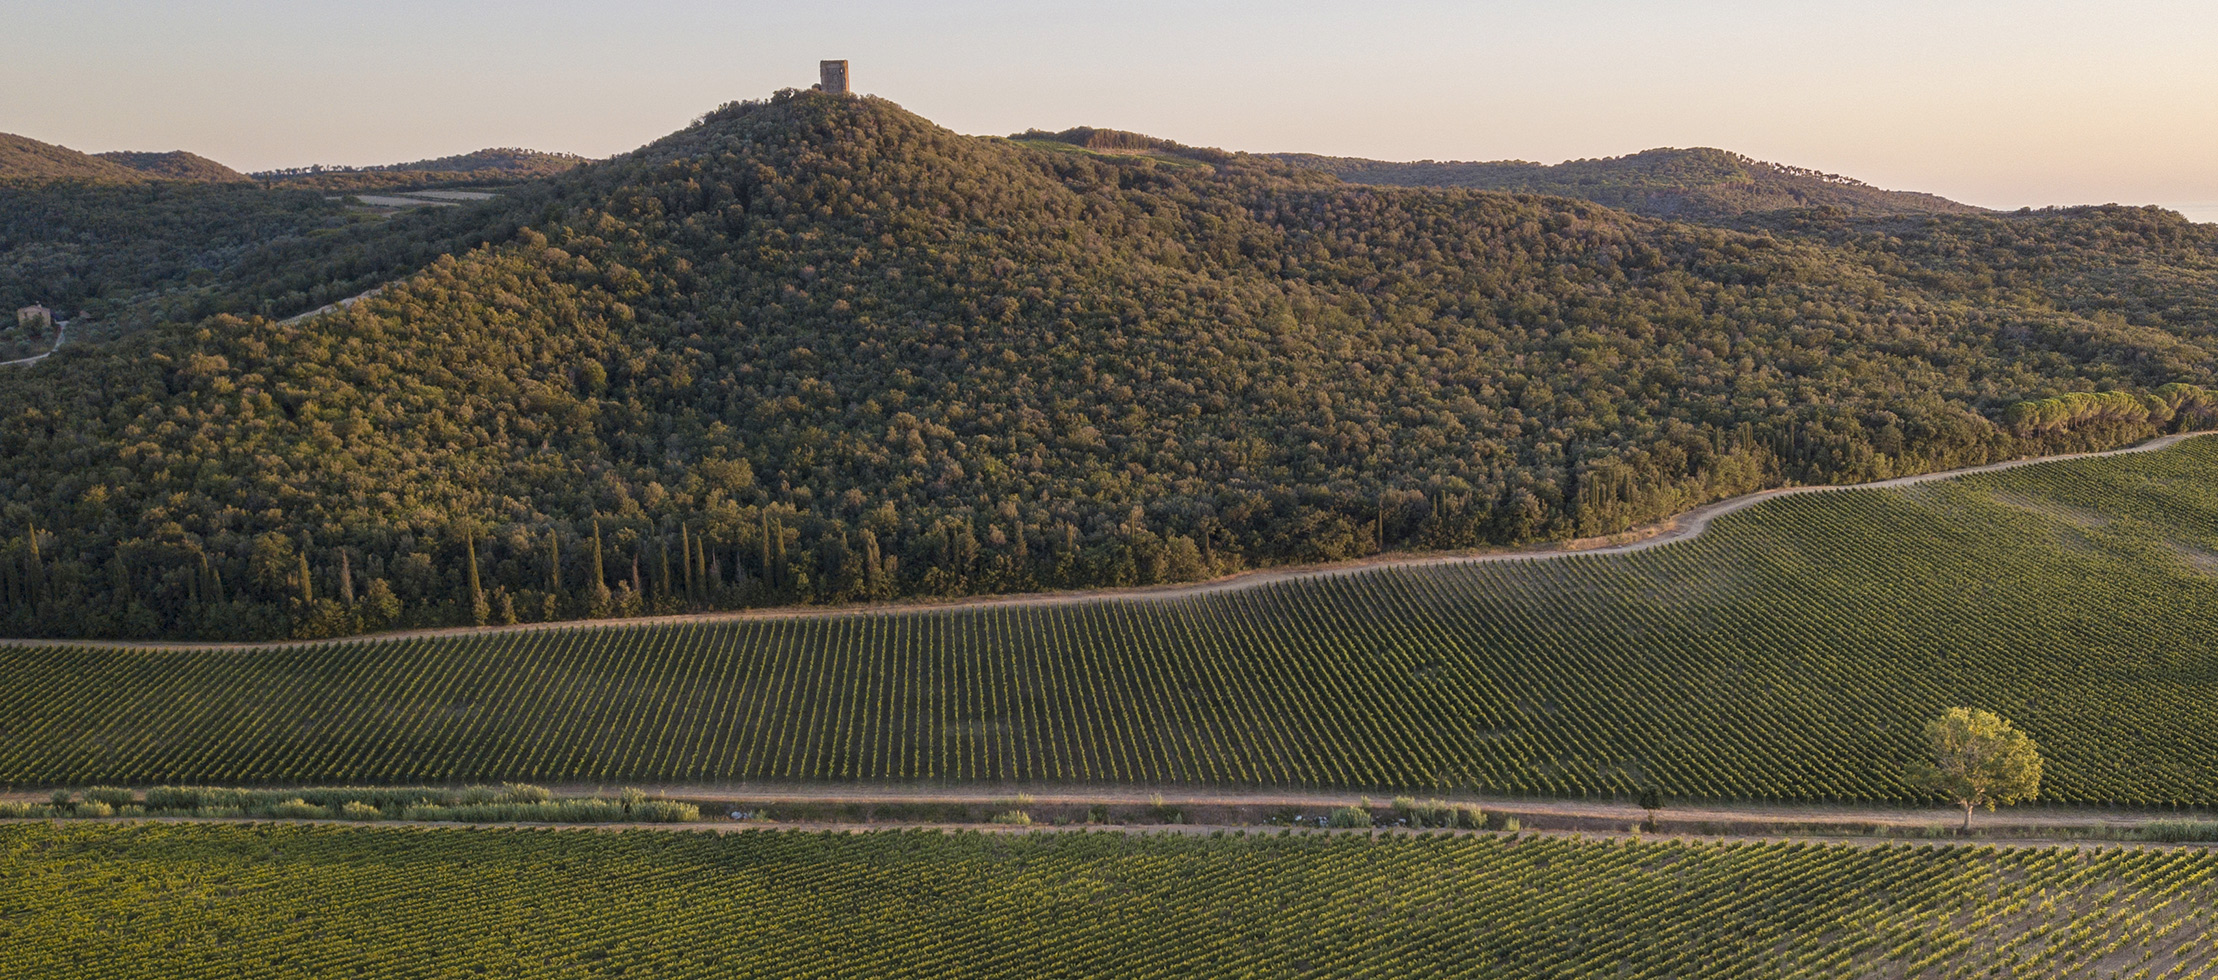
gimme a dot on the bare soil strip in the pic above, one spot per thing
(1683, 527)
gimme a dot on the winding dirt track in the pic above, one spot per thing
(1683, 527)
(61, 334)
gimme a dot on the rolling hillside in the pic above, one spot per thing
(25, 160)
(817, 349)
(1793, 652)
(175, 165)
(1694, 184)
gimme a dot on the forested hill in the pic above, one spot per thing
(479, 168)
(23, 159)
(175, 165)
(1692, 184)
(818, 349)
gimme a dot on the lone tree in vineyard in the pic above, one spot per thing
(1978, 760)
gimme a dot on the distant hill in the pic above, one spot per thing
(26, 159)
(508, 160)
(496, 165)
(1672, 183)
(174, 165)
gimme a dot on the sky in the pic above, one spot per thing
(2001, 104)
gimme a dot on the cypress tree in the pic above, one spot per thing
(479, 611)
(600, 582)
(307, 585)
(685, 544)
(35, 570)
(769, 577)
(554, 563)
(599, 599)
(662, 559)
(346, 579)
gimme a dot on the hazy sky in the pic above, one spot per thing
(2025, 102)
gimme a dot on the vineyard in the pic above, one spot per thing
(1791, 653)
(290, 901)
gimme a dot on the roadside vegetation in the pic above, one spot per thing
(505, 803)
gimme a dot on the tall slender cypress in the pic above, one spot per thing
(554, 563)
(662, 558)
(600, 581)
(479, 611)
(685, 542)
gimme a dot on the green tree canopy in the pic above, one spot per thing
(1979, 759)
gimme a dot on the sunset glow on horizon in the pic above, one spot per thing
(1997, 104)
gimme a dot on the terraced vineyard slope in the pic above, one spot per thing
(1790, 653)
(222, 901)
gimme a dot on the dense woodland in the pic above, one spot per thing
(817, 349)
(1691, 184)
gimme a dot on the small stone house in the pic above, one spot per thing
(37, 319)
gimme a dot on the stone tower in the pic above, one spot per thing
(835, 77)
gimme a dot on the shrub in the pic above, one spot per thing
(196, 798)
(21, 810)
(1438, 813)
(112, 796)
(1017, 817)
(504, 793)
(358, 810)
(524, 793)
(2180, 831)
(60, 797)
(91, 808)
(1349, 818)
(298, 809)
(667, 811)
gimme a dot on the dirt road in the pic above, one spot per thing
(1264, 812)
(61, 333)
(1684, 527)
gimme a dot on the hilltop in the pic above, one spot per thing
(819, 349)
(26, 159)
(1699, 183)
(175, 165)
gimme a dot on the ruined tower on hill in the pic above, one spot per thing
(834, 74)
